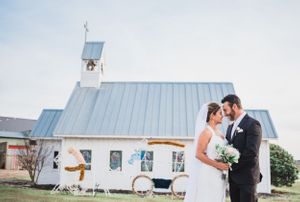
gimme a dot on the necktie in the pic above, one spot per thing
(229, 132)
(232, 131)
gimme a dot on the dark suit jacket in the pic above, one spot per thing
(247, 141)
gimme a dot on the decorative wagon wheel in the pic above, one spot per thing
(175, 188)
(142, 185)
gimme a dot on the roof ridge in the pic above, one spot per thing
(52, 109)
(170, 82)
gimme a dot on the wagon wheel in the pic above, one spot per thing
(142, 185)
(178, 186)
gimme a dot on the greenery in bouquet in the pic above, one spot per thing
(227, 154)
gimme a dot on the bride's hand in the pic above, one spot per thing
(222, 166)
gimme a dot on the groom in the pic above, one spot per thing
(245, 135)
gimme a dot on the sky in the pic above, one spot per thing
(254, 44)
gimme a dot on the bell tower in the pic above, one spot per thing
(92, 64)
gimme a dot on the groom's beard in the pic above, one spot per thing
(231, 115)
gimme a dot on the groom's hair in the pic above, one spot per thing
(232, 99)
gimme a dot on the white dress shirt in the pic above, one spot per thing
(237, 122)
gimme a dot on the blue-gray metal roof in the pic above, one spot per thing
(263, 116)
(46, 123)
(92, 50)
(156, 109)
(9, 134)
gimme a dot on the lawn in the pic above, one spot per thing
(19, 192)
(13, 194)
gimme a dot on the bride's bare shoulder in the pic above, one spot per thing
(206, 133)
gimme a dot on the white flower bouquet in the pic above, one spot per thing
(227, 154)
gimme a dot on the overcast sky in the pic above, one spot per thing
(255, 44)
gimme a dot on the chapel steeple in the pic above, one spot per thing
(92, 64)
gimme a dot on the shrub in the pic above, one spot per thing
(284, 170)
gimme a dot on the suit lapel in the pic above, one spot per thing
(228, 133)
(241, 124)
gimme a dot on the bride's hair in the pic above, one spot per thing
(212, 109)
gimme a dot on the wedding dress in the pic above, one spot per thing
(205, 182)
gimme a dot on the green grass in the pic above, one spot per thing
(285, 193)
(13, 194)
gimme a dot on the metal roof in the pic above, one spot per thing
(137, 109)
(16, 124)
(49, 119)
(92, 50)
(156, 109)
(8, 134)
(46, 123)
(263, 116)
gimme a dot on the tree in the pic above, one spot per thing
(34, 157)
(284, 170)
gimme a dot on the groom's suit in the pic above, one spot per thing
(245, 174)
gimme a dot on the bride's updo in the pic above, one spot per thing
(213, 108)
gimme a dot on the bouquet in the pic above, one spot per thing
(227, 154)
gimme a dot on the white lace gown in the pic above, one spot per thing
(207, 184)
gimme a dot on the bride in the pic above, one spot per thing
(205, 176)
